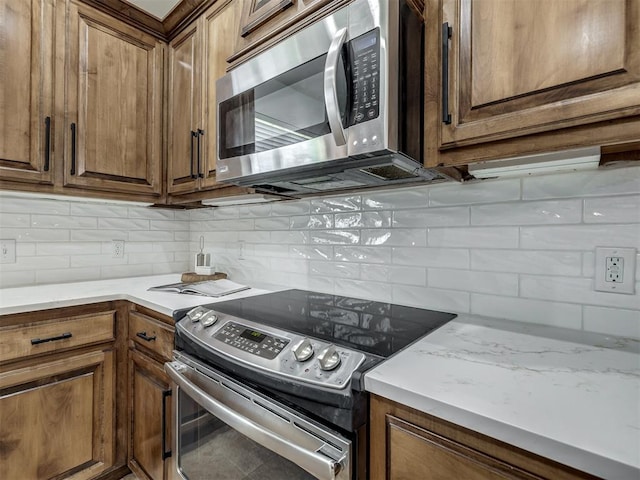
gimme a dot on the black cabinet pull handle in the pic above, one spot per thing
(165, 454)
(37, 341)
(447, 31)
(193, 174)
(47, 143)
(143, 335)
(200, 134)
(73, 149)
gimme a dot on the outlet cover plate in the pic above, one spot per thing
(8, 251)
(615, 270)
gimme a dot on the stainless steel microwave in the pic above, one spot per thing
(337, 105)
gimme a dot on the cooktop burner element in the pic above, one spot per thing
(377, 328)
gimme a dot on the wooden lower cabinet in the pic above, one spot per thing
(150, 440)
(151, 338)
(408, 445)
(57, 418)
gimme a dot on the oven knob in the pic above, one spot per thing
(208, 319)
(303, 350)
(329, 358)
(195, 314)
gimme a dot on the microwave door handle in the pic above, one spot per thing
(316, 464)
(331, 88)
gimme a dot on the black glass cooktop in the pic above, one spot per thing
(374, 327)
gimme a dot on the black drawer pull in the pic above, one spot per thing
(193, 135)
(143, 335)
(446, 35)
(36, 341)
(165, 454)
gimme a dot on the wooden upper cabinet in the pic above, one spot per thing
(185, 118)
(197, 58)
(114, 101)
(265, 22)
(26, 90)
(517, 68)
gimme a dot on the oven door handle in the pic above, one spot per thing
(331, 87)
(316, 464)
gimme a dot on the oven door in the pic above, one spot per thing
(225, 430)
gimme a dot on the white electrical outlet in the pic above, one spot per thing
(8, 251)
(615, 270)
(117, 248)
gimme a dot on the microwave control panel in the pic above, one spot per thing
(365, 68)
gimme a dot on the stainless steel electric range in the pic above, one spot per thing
(271, 386)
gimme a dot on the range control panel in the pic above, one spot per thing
(365, 54)
(251, 341)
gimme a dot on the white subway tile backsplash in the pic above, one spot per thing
(431, 298)
(521, 249)
(363, 220)
(363, 289)
(470, 281)
(527, 261)
(580, 237)
(76, 248)
(528, 213)
(272, 223)
(335, 237)
(612, 321)
(311, 252)
(36, 235)
(574, 290)
(58, 221)
(485, 191)
(431, 217)
(431, 257)
(311, 222)
(290, 208)
(363, 254)
(473, 237)
(299, 237)
(335, 269)
(396, 237)
(66, 275)
(616, 181)
(32, 205)
(123, 224)
(14, 220)
(336, 204)
(417, 197)
(558, 314)
(612, 209)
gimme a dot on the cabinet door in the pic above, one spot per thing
(185, 116)
(26, 91)
(113, 133)
(414, 452)
(517, 68)
(219, 32)
(57, 418)
(150, 439)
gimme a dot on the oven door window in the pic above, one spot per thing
(209, 449)
(285, 110)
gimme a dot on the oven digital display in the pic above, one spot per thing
(253, 335)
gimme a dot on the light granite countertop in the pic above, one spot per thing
(566, 395)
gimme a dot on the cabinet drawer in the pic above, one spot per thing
(50, 336)
(151, 334)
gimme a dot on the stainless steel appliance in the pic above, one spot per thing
(337, 105)
(270, 386)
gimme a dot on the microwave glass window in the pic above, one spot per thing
(285, 110)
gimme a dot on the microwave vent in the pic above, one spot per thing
(389, 172)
